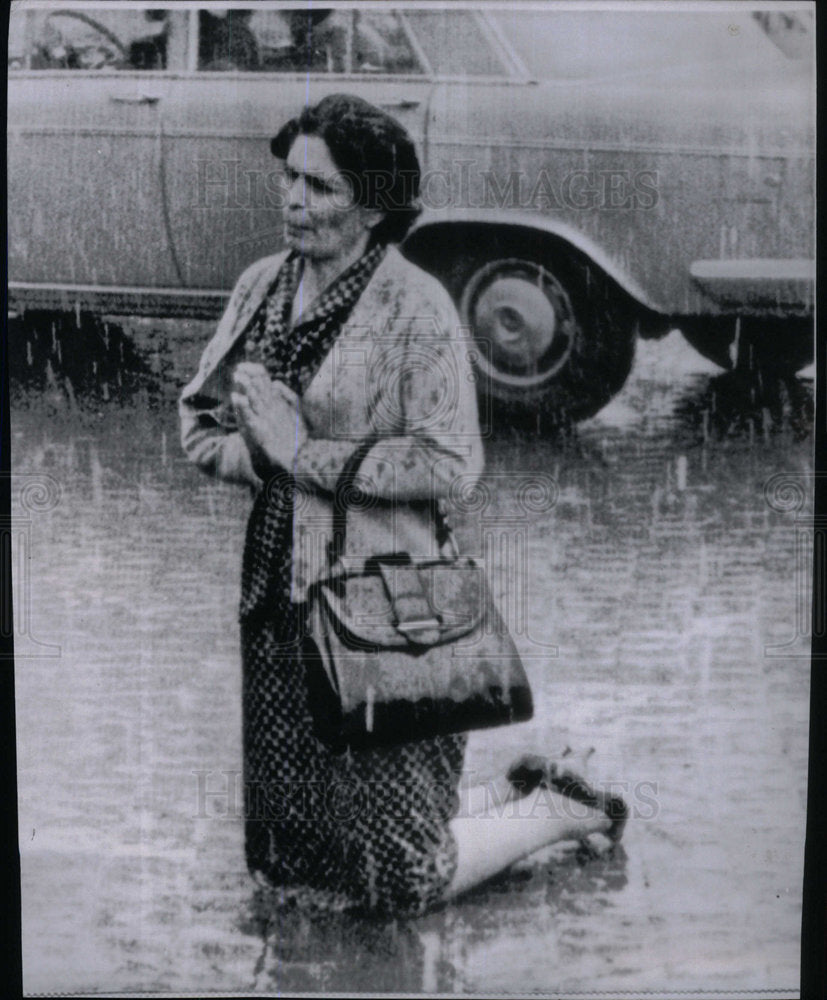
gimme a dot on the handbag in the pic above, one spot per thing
(398, 649)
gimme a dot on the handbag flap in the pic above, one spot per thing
(362, 609)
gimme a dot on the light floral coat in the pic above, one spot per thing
(400, 370)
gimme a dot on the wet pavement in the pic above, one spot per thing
(661, 603)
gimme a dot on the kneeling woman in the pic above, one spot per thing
(336, 340)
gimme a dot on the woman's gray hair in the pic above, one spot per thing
(372, 150)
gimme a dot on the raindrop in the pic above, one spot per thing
(97, 477)
(29, 358)
(105, 391)
(786, 402)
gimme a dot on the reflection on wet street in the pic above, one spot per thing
(660, 594)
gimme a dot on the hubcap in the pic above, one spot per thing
(522, 320)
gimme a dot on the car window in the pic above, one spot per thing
(308, 39)
(453, 43)
(791, 31)
(593, 45)
(89, 39)
(17, 38)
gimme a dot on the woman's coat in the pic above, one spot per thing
(400, 370)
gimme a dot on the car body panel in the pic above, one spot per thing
(225, 189)
(660, 167)
(85, 197)
(690, 142)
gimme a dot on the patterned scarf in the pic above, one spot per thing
(292, 355)
(295, 355)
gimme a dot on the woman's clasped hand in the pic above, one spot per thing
(268, 415)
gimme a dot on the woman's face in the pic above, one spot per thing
(322, 219)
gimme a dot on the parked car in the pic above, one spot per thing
(589, 176)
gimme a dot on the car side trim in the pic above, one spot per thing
(195, 303)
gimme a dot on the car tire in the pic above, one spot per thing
(554, 342)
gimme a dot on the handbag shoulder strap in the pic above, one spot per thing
(346, 495)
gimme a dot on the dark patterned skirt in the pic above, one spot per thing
(368, 827)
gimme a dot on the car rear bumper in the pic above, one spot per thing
(761, 284)
(207, 303)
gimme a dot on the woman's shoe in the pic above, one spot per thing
(528, 772)
(566, 782)
(532, 771)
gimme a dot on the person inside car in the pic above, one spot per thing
(226, 42)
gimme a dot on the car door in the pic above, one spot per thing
(85, 100)
(253, 70)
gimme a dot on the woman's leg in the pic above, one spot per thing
(528, 772)
(490, 841)
(479, 799)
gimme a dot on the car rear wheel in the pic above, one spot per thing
(554, 341)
